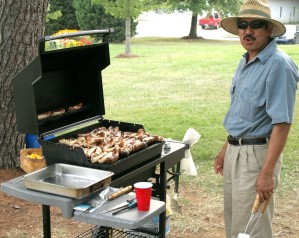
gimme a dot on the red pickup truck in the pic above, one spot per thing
(211, 20)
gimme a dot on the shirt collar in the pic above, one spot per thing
(265, 54)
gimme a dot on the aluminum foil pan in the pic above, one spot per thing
(68, 180)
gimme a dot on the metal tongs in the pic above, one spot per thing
(254, 210)
(121, 207)
(106, 195)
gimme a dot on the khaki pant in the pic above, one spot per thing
(242, 165)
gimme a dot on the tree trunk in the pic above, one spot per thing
(193, 28)
(128, 36)
(21, 26)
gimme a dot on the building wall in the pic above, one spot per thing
(286, 11)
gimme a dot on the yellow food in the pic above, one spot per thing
(35, 156)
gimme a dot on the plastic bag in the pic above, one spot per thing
(187, 164)
(153, 224)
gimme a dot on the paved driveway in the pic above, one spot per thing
(175, 25)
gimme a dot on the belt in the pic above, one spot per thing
(247, 141)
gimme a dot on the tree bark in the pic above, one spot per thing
(193, 28)
(21, 26)
(128, 36)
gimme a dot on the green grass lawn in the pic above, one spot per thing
(176, 84)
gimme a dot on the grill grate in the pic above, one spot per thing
(107, 232)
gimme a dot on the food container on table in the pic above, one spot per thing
(31, 159)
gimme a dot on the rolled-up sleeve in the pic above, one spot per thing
(281, 95)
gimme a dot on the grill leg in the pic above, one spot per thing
(46, 221)
(177, 177)
(162, 195)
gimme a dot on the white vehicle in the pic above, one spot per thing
(289, 37)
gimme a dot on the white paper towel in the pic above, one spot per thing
(187, 164)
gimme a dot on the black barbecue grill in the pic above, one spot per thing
(59, 79)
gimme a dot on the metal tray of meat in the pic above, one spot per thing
(55, 152)
(68, 180)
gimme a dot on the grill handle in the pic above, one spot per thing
(104, 32)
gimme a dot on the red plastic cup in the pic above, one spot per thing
(143, 192)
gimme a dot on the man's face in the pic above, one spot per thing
(254, 35)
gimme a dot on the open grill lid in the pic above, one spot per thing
(60, 79)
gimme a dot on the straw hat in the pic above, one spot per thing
(257, 9)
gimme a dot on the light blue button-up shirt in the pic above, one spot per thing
(263, 93)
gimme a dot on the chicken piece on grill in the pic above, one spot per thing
(90, 152)
(106, 145)
(75, 107)
(70, 142)
(110, 157)
(58, 112)
(96, 158)
(139, 145)
(44, 115)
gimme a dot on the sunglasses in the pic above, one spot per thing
(243, 25)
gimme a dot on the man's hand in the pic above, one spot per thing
(219, 160)
(265, 183)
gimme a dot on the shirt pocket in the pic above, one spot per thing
(232, 91)
(252, 105)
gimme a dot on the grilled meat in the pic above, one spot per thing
(107, 145)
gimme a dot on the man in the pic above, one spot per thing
(263, 95)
